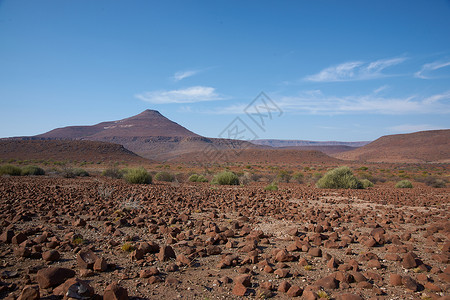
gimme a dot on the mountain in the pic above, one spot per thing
(418, 147)
(148, 134)
(148, 123)
(300, 143)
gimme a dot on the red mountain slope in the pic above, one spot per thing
(423, 146)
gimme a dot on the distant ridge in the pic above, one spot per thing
(297, 143)
(418, 147)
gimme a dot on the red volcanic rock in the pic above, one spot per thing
(328, 282)
(149, 247)
(115, 292)
(410, 283)
(392, 257)
(74, 288)
(51, 255)
(166, 253)
(432, 287)
(282, 273)
(283, 256)
(22, 252)
(86, 259)
(29, 292)
(358, 276)
(239, 290)
(146, 273)
(284, 286)
(243, 279)
(53, 276)
(374, 264)
(294, 291)
(79, 223)
(348, 297)
(100, 265)
(19, 238)
(409, 261)
(315, 252)
(395, 279)
(7, 236)
(310, 295)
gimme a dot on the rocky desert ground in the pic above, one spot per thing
(94, 237)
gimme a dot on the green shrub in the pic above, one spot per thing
(138, 176)
(113, 172)
(197, 178)
(433, 182)
(10, 170)
(193, 178)
(271, 187)
(127, 247)
(298, 177)
(339, 178)
(366, 183)
(32, 170)
(404, 184)
(78, 172)
(283, 176)
(226, 178)
(164, 176)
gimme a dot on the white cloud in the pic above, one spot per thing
(356, 70)
(427, 68)
(315, 102)
(405, 128)
(180, 75)
(188, 95)
(380, 89)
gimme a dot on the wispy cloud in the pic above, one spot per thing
(355, 70)
(180, 75)
(315, 102)
(405, 128)
(427, 68)
(188, 95)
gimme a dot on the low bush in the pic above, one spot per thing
(404, 184)
(366, 183)
(78, 172)
(138, 176)
(113, 172)
(197, 178)
(298, 177)
(226, 178)
(283, 176)
(164, 176)
(32, 170)
(339, 178)
(10, 170)
(271, 187)
(433, 182)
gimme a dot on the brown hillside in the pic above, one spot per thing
(164, 148)
(64, 150)
(418, 147)
(258, 156)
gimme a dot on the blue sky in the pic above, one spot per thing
(334, 70)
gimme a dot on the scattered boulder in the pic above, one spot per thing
(53, 276)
